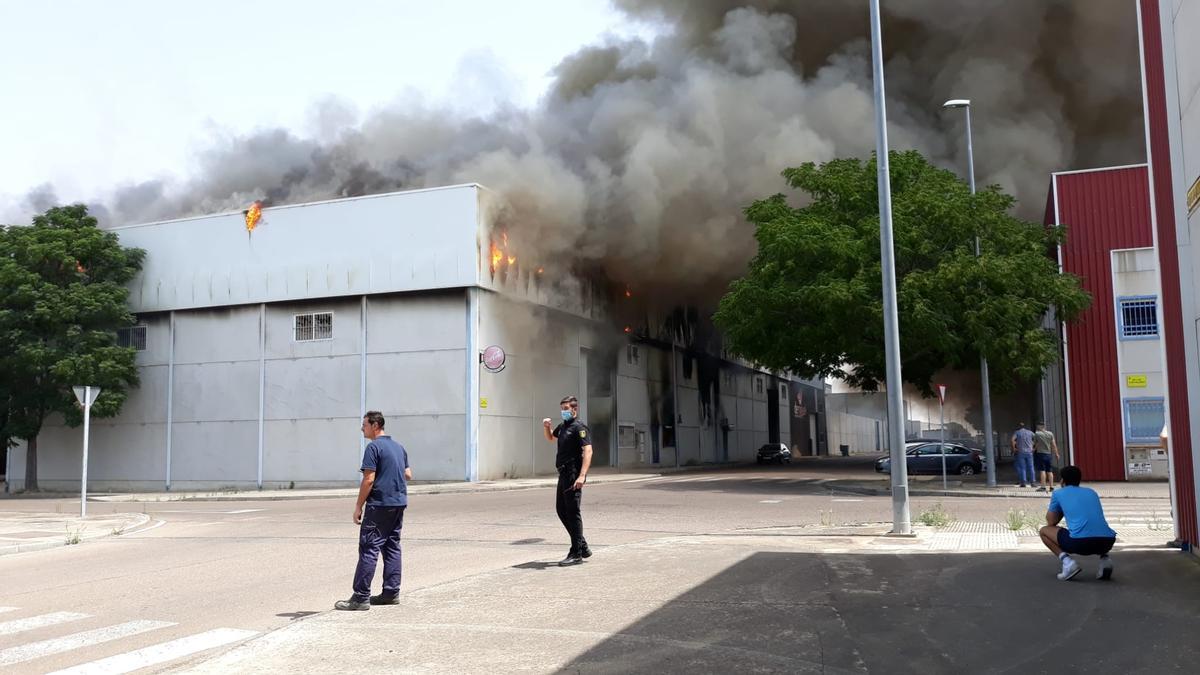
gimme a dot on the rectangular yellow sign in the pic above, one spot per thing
(483, 403)
(1193, 196)
(1135, 381)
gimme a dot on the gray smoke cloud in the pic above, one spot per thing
(641, 157)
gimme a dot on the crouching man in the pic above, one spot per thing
(1087, 531)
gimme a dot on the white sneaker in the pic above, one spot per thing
(1070, 568)
(1106, 568)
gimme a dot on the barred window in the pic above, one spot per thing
(134, 336)
(758, 385)
(1138, 317)
(632, 355)
(315, 326)
(1144, 419)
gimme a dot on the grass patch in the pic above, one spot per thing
(935, 517)
(1018, 519)
(73, 536)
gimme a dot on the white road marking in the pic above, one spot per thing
(8, 609)
(160, 653)
(771, 501)
(36, 650)
(847, 500)
(39, 621)
(157, 524)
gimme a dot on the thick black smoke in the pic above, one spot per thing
(641, 157)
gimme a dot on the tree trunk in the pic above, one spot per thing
(31, 465)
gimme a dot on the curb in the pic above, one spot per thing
(13, 549)
(880, 492)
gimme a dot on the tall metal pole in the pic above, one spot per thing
(901, 523)
(989, 446)
(87, 424)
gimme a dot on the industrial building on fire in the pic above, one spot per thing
(259, 350)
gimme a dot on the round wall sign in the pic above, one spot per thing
(493, 359)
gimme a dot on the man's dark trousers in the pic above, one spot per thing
(568, 506)
(380, 531)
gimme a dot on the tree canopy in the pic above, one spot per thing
(63, 297)
(811, 302)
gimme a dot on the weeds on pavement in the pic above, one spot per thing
(936, 516)
(1017, 520)
(73, 536)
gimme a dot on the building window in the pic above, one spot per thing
(783, 394)
(758, 386)
(1144, 419)
(313, 327)
(632, 355)
(134, 336)
(1138, 317)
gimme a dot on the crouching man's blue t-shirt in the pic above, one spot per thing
(388, 459)
(1081, 507)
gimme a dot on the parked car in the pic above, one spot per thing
(774, 452)
(926, 457)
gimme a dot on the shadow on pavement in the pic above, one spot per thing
(927, 613)
(535, 565)
(295, 616)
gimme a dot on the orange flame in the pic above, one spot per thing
(628, 293)
(497, 258)
(628, 329)
(253, 215)
(541, 270)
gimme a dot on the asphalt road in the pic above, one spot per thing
(247, 568)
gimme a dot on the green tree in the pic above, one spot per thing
(62, 299)
(812, 300)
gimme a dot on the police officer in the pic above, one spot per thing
(573, 460)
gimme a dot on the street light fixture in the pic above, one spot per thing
(87, 396)
(901, 522)
(989, 446)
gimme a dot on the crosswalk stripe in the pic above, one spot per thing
(36, 650)
(160, 653)
(8, 609)
(40, 621)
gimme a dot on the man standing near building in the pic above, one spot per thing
(1022, 445)
(1045, 456)
(1087, 531)
(379, 513)
(573, 460)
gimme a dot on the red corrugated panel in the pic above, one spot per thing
(1168, 258)
(1103, 210)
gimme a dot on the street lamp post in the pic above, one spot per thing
(87, 396)
(989, 446)
(901, 523)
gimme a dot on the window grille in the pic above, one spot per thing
(134, 336)
(313, 327)
(1138, 318)
(1143, 419)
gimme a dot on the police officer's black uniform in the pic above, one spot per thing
(572, 436)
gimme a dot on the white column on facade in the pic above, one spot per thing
(472, 402)
(262, 386)
(362, 374)
(170, 392)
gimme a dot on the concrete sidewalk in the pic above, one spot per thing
(931, 486)
(796, 600)
(23, 532)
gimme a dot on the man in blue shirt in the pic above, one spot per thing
(1087, 532)
(382, 498)
(1022, 445)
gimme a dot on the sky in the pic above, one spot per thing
(101, 94)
